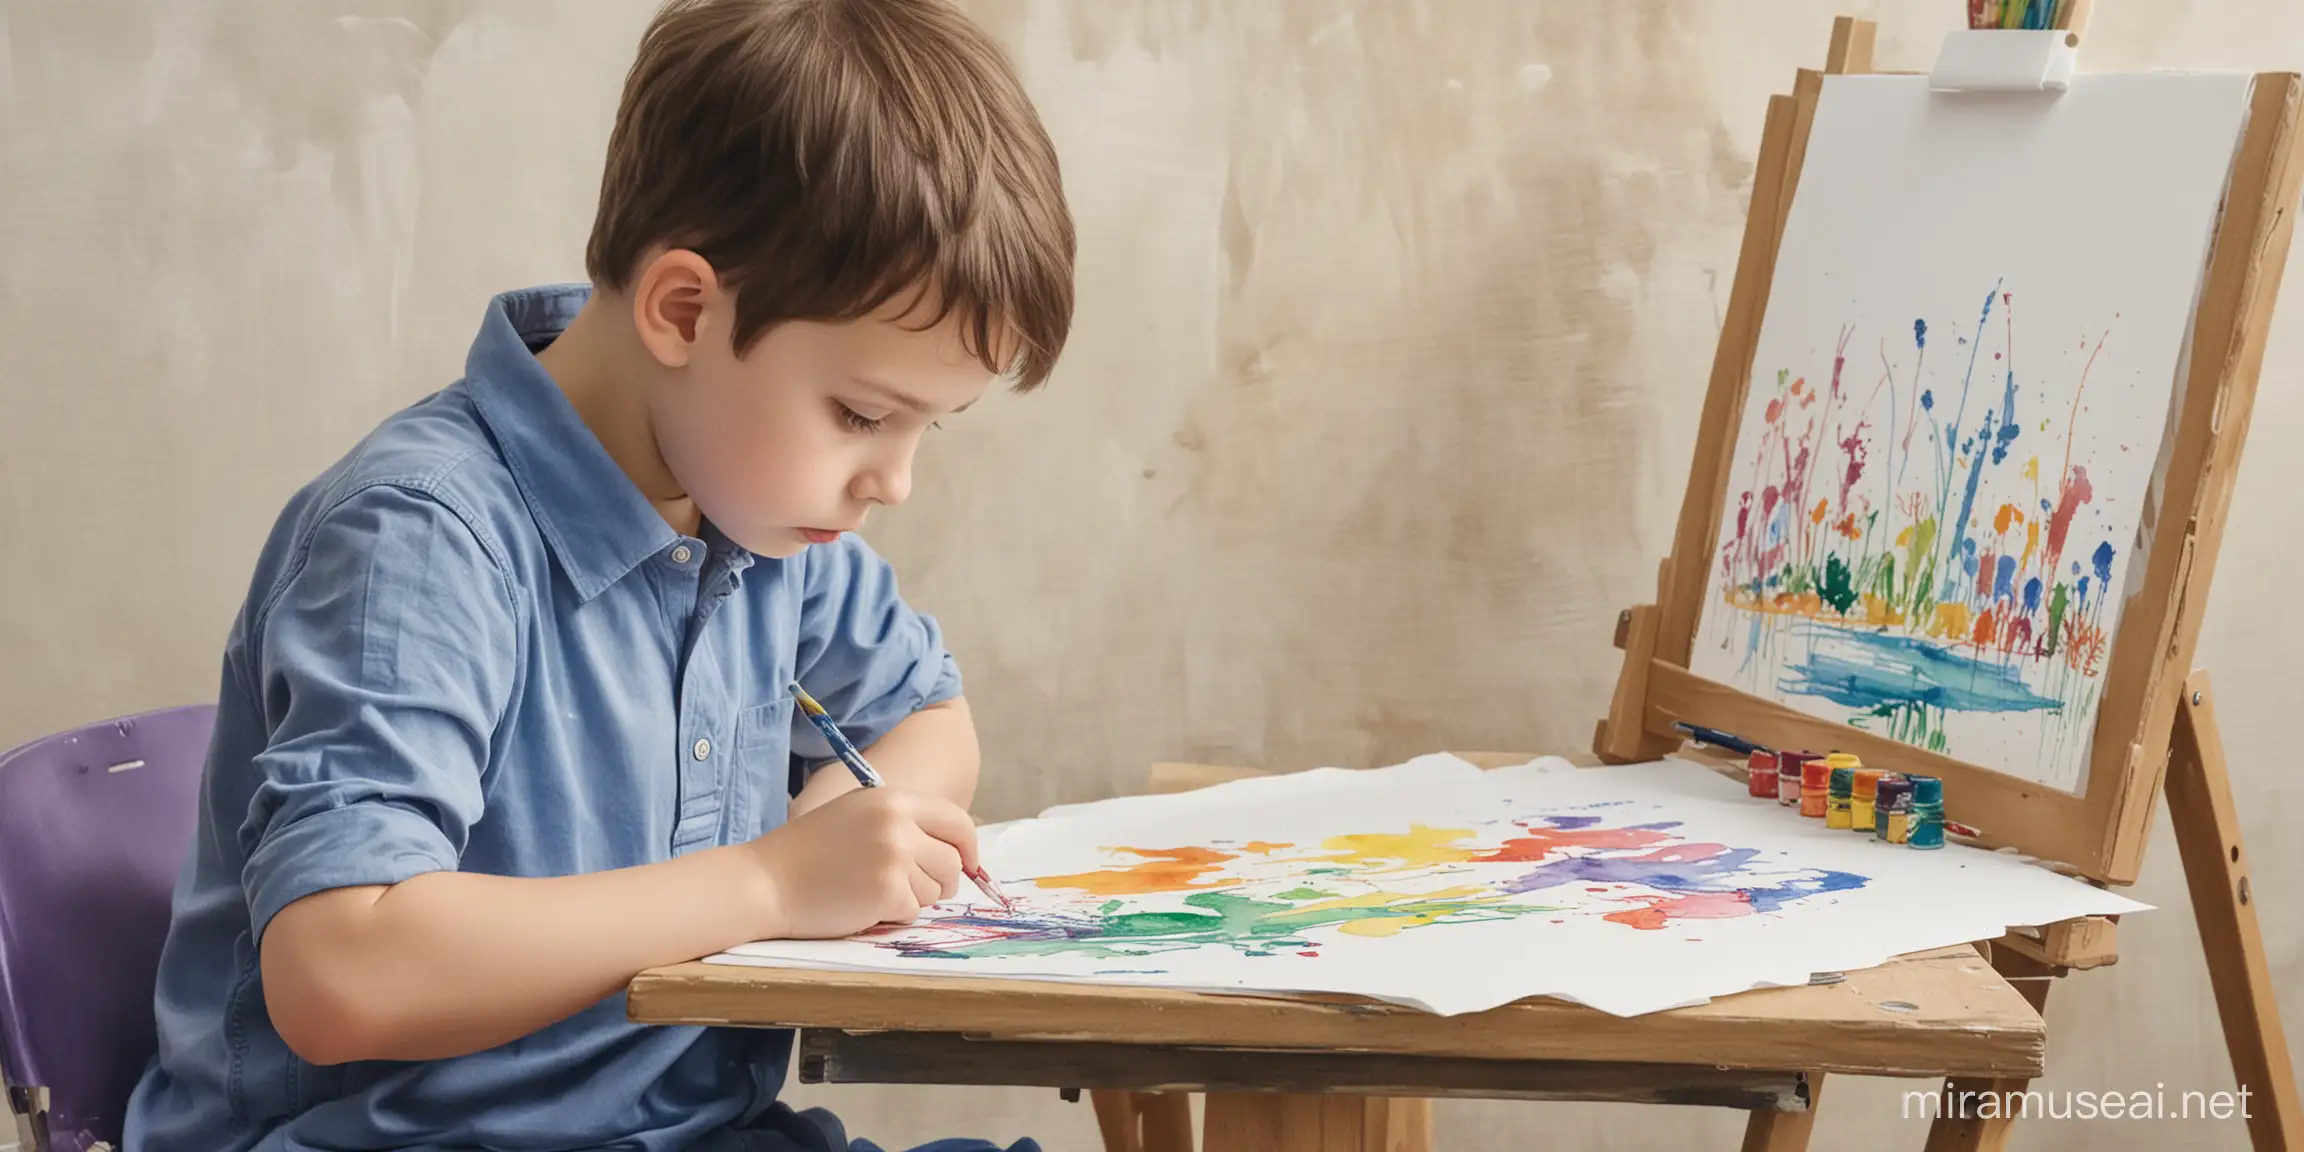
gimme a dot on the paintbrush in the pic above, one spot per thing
(867, 776)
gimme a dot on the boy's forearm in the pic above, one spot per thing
(933, 750)
(450, 963)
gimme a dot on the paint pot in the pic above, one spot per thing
(1927, 822)
(1760, 776)
(1892, 808)
(1838, 793)
(1861, 794)
(1788, 776)
(1815, 781)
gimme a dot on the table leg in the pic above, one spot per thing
(1116, 1119)
(1290, 1122)
(1143, 1121)
(1407, 1125)
(1772, 1131)
(1972, 1127)
(1244, 1122)
(1167, 1119)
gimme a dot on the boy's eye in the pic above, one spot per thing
(857, 421)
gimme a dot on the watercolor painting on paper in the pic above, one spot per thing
(1437, 885)
(1263, 898)
(1941, 484)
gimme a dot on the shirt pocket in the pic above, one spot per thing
(762, 787)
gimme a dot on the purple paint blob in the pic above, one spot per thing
(1681, 869)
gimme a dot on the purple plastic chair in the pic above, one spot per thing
(94, 825)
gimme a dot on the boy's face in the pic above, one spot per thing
(816, 424)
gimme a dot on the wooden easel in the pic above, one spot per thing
(2156, 726)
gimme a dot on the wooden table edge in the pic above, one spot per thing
(1944, 1012)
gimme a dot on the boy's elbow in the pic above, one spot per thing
(325, 1009)
(322, 1032)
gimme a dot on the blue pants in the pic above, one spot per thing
(784, 1130)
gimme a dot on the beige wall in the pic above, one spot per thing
(1392, 321)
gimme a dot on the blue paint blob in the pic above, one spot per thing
(1876, 671)
(2009, 429)
(2004, 578)
(1920, 333)
(1928, 400)
(2103, 562)
(2032, 592)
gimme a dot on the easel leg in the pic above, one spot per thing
(1982, 1123)
(2208, 840)
(1784, 1131)
(1289, 1122)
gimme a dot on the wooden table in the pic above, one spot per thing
(1344, 1074)
(1334, 1073)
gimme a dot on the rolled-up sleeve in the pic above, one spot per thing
(387, 657)
(864, 654)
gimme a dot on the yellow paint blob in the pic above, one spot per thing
(1416, 847)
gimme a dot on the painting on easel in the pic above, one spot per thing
(1958, 405)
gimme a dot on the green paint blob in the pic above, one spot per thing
(1839, 589)
(1220, 919)
(1306, 893)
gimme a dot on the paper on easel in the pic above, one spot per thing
(1959, 399)
(1439, 886)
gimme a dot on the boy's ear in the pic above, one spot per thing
(671, 299)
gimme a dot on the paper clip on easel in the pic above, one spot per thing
(2008, 59)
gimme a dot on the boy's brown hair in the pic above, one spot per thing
(827, 156)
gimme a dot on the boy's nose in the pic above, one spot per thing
(886, 485)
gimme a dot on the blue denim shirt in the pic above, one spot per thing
(473, 645)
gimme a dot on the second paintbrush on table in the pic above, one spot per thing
(867, 776)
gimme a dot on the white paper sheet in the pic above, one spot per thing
(1959, 397)
(1439, 886)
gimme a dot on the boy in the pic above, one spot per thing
(504, 718)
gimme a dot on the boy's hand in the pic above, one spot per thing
(871, 856)
(827, 784)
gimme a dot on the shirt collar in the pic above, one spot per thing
(596, 521)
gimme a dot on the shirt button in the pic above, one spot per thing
(703, 749)
(680, 555)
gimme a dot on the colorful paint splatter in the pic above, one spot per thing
(1916, 541)
(1262, 898)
